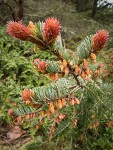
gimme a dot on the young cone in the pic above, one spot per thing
(51, 30)
(99, 40)
(18, 30)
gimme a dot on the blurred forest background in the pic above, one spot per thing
(78, 18)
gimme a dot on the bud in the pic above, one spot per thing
(36, 48)
(97, 72)
(83, 75)
(42, 65)
(59, 103)
(42, 113)
(110, 123)
(61, 117)
(100, 65)
(27, 95)
(99, 40)
(28, 116)
(56, 76)
(36, 61)
(52, 76)
(51, 107)
(77, 69)
(51, 30)
(48, 114)
(77, 101)
(10, 112)
(63, 102)
(34, 115)
(71, 63)
(40, 123)
(96, 124)
(85, 63)
(93, 56)
(37, 127)
(66, 71)
(18, 30)
(19, 119)
(87, 71)
(64, 63)
(32, 27)
(72, 101)
(75, 123)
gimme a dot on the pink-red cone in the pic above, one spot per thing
(51, 29)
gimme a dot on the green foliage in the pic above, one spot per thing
(95, 97)
(17, 70)
(53, 91)
(39, 28)
(53, 66)
(92, 108)
(85, 47)
(24, 111)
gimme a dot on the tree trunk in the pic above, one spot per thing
(18, 13)
(78, 5)
(94, 8)
(81, 5)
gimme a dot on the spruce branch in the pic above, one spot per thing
(71, 70)
(53, 91)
